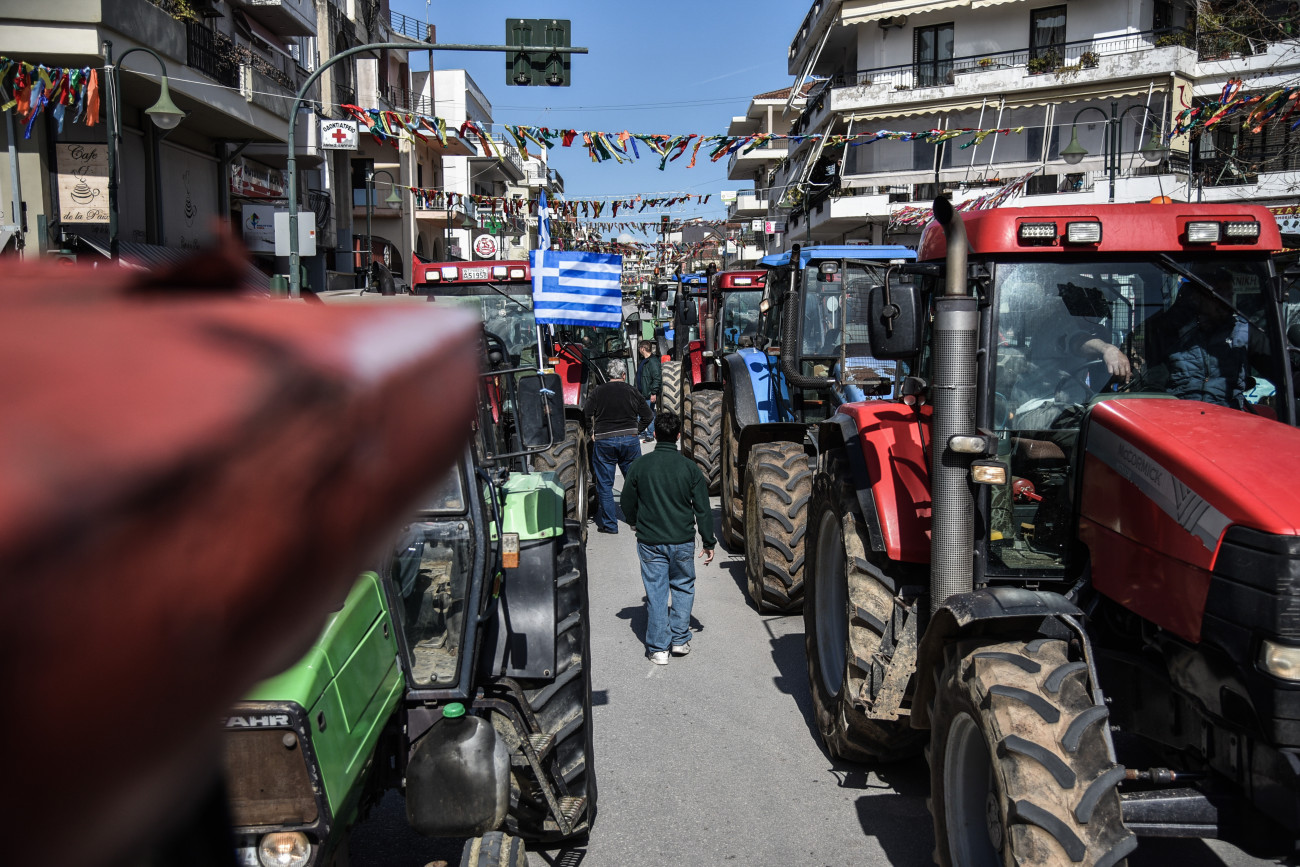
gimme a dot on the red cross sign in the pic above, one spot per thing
(339, 135)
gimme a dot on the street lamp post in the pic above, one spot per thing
(164, 114)
(291, 167)
(1153, 150)
(393, 201)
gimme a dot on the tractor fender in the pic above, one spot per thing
(736, 382)
(841, 431)
(989, 611)
(753, 373)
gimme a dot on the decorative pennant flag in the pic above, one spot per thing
(577, 288)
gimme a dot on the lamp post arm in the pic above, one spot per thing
(295, 283)
(114, 71)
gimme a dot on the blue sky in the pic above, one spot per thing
(671, 67)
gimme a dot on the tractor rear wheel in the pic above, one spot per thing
(494, 849)
(1020, 772)
(562, 707)
(705, 426)
(670, 392)
(733, 530)
(688, 433)
(569, 461)
(847, 612)
(778, 485)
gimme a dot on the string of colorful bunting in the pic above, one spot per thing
(1277, 106)
(29, 89)
(567, 209)
(909, 217)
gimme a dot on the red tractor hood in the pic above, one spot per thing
(1241, 465)
(1161, 481)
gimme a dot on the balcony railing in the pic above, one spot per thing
(411, 28)
(206, 52)
(1081, 54)
(402, 99)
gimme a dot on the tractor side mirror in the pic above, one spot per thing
(614, 346)
(541, 410)
(894, 319)
(661, 294)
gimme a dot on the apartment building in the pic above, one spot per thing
(1105, 75)
(232, 67)
(751, 215)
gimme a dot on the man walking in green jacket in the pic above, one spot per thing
(665, 497)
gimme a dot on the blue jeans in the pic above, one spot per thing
(667, 570)
(605, 455)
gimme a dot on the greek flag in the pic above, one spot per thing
(577, 288)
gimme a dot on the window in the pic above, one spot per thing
(1047, 32)
(933, 53)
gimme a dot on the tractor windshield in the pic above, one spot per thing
(740, 318)
(823, 310)
(430, 569)
(1067, 332)
(506, 310)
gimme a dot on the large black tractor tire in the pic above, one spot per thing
(562, 707)
(848, 614)
(778, 485)
(670, 391)
(568, 459)
(733, 526)
(688, 433)
(705, 425)
(494, 849)
(1019, 768)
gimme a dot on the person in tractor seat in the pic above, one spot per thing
(1051, 369)
(1201, 349)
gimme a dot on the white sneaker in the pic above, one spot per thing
(659, 657)
(681, 649)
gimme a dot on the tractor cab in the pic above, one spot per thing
(500, 292)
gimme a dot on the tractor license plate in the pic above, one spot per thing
(475, 273)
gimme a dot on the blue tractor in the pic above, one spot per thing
(811, 354)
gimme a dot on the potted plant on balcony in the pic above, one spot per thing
(986, 63)
(1089, 59)
(1045, 62)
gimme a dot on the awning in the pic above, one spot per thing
(146, 257)
(913, 110)
(980, 4)
(859, 12)
(1116, 90)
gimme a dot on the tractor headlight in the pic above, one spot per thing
(1280, 660)
(284, 849)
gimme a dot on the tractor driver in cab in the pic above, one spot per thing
(1054, 349)
(1201, 348)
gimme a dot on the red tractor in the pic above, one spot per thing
(1071, 551)
(727, 313)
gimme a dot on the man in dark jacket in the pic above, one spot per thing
(649, 380)
(665, 498)
(615, 413)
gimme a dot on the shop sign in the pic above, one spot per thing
(83, 182)
(485, 247)
(338, 135)
(258, 225)
(256, 182)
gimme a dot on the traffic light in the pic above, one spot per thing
(539, 68)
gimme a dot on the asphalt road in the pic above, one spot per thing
(714, 758)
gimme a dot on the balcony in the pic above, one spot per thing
(410, 28)
(748, 204)
(817, 20)
(742, 164)
(1090, 61)
(404, 100)
(512, 163)
(283, 17)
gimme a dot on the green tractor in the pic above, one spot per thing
(457, 670)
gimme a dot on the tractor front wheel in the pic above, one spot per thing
(705, 425)
(847, 612)
(1020, 772)
(778, 485)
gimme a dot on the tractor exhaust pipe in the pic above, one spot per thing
(952, 393)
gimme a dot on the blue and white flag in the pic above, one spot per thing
(543, 222)
(572, 288)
